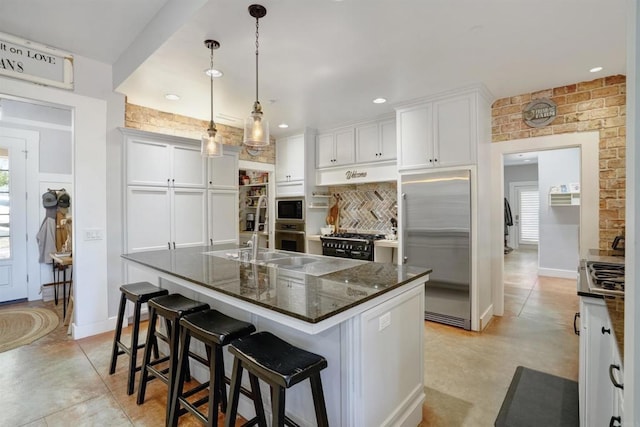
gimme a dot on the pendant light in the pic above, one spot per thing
(211, 144)
(256, 129)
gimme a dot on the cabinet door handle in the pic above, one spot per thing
(211, 241)
(575, 321)
(435, 160)
(615, 420)
(430, 160)
(605, 331)
(168, 185)
(611, 377)
(174, 245)
(169, 245)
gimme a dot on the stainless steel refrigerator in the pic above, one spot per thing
(436, 233)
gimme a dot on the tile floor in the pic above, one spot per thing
(56, 381)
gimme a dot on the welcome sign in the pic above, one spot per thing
(26, 60)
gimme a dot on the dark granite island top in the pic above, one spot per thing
(311, 293)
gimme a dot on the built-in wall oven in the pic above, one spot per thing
(290, 209)
(290, 236)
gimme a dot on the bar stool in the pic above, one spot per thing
(138, 293)
(279, 364)
(214, 330)
(172, 308)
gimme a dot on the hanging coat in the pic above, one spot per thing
(46, 236)
(508, 219)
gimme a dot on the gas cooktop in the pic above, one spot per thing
(358, 236)
(606, 278)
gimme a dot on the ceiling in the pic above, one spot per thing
(519, 159)
(322, 62)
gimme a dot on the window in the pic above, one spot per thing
(529, 208)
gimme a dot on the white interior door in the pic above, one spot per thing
(13, 219)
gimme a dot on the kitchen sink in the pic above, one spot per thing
(269, 256)
(294, 261)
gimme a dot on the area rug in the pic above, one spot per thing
(537, 399)
(20, 326)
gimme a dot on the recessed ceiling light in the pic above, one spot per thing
(595, 69)
(379, 101)
(212, 72)
(283, 125)
(172, 97)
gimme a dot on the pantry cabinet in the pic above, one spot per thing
(335, 148)
(165, 218)
(156, 163)
(376, 141)
(174, 197)
(439, 133)
(601, 401)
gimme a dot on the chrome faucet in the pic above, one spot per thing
(254, 236)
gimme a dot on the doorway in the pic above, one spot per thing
(13, 218)
(584, 229)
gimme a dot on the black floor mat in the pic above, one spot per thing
(538, 399)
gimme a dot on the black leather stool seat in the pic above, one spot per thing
(214, 330)
(175, 306)
(278, 361)
(142, 291)
(281, 365)
(138, 293)
(171, 307)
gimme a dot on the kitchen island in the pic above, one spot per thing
(365, 318)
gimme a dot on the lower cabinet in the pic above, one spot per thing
(601, 375)
(165, 218)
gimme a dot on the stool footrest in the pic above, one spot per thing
(195, 390)
(289, 422)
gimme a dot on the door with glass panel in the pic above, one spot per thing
(13, 219)
(526, 209)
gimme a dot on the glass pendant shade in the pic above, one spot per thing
(211, 144)
(256, 130)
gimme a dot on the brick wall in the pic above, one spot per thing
(151, 120)
(587, 106)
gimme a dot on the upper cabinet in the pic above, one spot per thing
(335, 148)
(376, 141)
(156, 163)
(439, 133)
(290, 159)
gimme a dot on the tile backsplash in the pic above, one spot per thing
(367, 207)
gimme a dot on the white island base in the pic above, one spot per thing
(374, 351)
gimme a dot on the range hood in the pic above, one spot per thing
(358, 173)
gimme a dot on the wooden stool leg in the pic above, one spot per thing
(222, 389)
(257, 400)
(144, 373)
(118, 334)
(318, 400)
(174, 349)
(277, 406)
(174, 402)
(234, 394)
(134, 348)
(214, 386)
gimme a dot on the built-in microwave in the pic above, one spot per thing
(290, 209)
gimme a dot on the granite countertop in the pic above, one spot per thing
(311, 292)
(614, 304)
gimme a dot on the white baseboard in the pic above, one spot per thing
(486, 317)
(84, 331)
(562, 274)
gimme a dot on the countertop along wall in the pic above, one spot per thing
(596, 105)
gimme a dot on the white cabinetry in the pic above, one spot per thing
(223, 170)
(376, 141)
(223, 216)
(440, 133)
(335, 148)
(290, 159)
(150, 162)
(600, 400)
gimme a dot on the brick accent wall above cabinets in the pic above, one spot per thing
(151, 120)
(596, 105)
